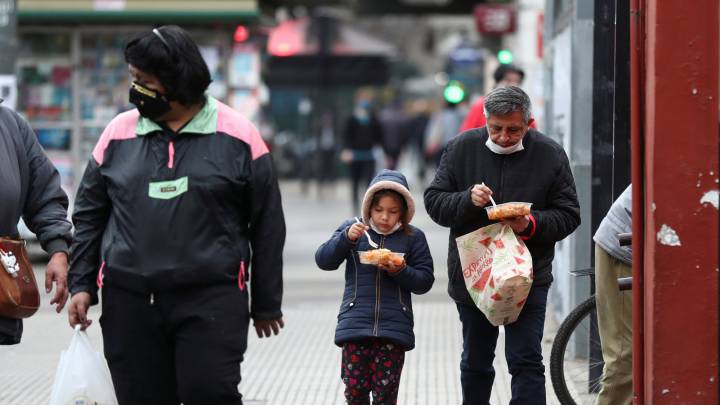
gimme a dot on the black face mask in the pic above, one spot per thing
(149, 103)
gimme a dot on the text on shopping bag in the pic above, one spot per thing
(497, 269)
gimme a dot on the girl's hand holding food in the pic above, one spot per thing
(393, 265)
(356, 230)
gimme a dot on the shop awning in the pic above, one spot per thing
(156, 11)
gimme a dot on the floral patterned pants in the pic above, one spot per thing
(372, 365)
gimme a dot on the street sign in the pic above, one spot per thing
(495, 19)
(466, 55)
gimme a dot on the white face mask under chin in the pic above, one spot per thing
(504, 150)
(376, 229)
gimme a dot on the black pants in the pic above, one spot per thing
(10, 330)
(523, 352)
(361, 173)
(182, 346)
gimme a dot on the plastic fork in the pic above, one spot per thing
(370, 241)
(491, 199)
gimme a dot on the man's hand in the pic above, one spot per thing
(267, 327)
(56, 272)
(480, 195)
(356, 230)
(518, 224)
(77, 310)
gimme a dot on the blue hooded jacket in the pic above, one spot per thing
(376, 304)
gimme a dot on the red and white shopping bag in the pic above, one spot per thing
(497, 268)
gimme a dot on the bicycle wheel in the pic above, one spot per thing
(576, 359)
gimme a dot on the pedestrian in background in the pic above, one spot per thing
(177, 206)
(504, 75)
(375, 324)
(417, 127)
(362, 132)
(326, 152)
(30, 188)
(614, 307)
(510, 161)
(395, 123)
(443, 127)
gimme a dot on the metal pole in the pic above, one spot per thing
(637, 140)
(603, 111)
(604, 88)
(621, 100)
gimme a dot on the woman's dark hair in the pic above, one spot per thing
(398, 197)
(171, 55)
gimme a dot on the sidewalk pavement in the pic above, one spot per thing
(301, 366)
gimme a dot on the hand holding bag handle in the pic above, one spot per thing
(19, 296)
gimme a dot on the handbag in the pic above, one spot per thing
(19, 296)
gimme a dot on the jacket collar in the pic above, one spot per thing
(204, 122)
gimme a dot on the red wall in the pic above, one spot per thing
(679, 108)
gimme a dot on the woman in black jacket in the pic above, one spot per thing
(30, 188)
(178, 208)
(375, 324)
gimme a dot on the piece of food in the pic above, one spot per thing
(508, 210)
(381, 257)
(397, 260)
(377, 255)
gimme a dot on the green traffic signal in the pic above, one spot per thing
(505, 56)
(454, 92)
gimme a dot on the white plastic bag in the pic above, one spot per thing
(497, 268)
(82, 377)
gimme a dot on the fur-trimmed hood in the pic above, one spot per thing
(388, 180)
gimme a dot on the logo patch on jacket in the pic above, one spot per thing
(165, 190)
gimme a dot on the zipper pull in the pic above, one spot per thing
(171, 155)
(152, 299)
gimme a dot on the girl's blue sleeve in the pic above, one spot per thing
(417, 277)
(332, 253)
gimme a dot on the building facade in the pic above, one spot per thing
(72, 78)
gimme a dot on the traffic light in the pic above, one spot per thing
(454, 92)
(505, 56)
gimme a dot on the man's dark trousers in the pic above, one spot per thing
(523, 351)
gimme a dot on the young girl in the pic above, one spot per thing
(375, 324)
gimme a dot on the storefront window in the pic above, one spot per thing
(104, 78)
(44, 71)
(49, 90)
(104, 83)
